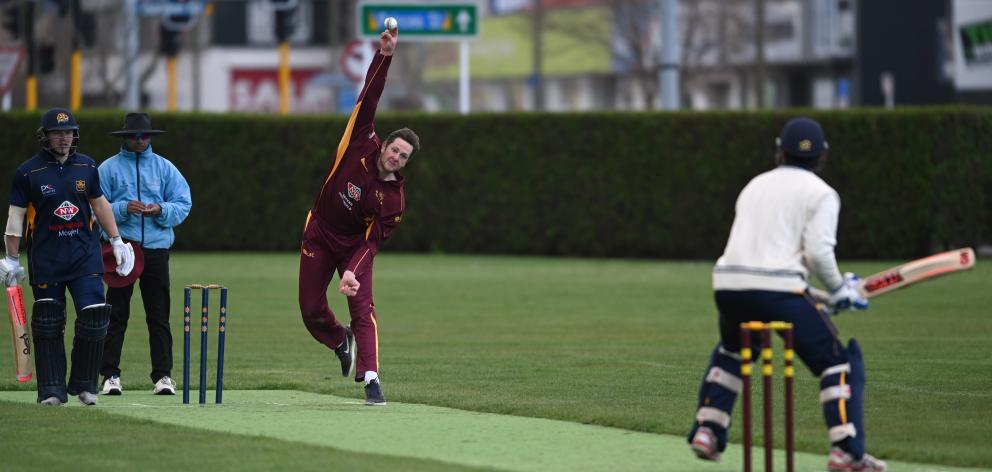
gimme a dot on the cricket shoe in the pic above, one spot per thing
(112, 386)
(165, 386)
(346, 353)
(373, 394)
(87, 398)
(704, 444)
(52, 401)
(840, 461)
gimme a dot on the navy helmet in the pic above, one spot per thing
(54, 120)
(802, 137)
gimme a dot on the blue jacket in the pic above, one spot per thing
(161, 183)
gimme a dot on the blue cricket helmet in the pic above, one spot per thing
(58, 119)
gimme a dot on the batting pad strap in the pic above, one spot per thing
(838, 433)
(836, 392)
(708, 413)
(724, 379)
(732, 355)
(845, 367)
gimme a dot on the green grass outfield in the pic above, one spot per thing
(621, 344)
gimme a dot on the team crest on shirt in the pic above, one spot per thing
(80, 185)
(66, 210)
(47, 189)
(379, 197)
(354, 191)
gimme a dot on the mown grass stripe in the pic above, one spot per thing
(432, 433)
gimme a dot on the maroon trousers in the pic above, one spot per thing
(323, 253)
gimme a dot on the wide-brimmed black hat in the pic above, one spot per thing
(137, 123)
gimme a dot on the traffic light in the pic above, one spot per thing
(46, 58)
(86, 28)
(12, 20)
(181, 17)
(168, 43)
(285, 16)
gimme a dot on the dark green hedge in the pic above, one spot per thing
(600, 184)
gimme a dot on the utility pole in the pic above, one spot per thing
(668, 75)
(537, 77)
(759, 52)
(31, 81)
(285, 11)
(76, 61)
(132, 98)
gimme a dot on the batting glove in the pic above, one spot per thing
(123, 255)
(847, 295)
(11, 272)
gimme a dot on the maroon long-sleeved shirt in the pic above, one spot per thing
(353, 202)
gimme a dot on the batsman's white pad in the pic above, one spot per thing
(714, 415)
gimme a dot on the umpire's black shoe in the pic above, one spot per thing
(346, 353)
(373, 394)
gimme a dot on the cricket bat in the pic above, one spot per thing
(910, 273)
(19, 332)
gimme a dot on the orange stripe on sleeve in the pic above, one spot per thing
(343, 144)
(346, 138)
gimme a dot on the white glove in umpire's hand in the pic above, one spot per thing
(11, 272)
(847, 295)
(123, 255)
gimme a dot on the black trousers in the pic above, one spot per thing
(154, 285)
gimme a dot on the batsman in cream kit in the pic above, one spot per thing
(784, 232)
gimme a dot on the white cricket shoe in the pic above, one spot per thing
(704, 444)
(87, 398)
(840, 461)
(112, 386)
(165, 386)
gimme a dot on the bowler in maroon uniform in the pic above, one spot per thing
(358, 206)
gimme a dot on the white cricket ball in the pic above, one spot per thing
(391, 24)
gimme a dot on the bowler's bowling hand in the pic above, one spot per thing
(387, 42)
(349, 284)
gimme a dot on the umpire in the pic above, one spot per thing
(149, 198)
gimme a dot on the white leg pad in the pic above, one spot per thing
(838, 433)
(725, 379)
(714, 415)
(846, 367)
(837, 392)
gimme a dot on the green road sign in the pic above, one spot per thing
(421, 22)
